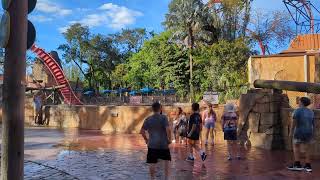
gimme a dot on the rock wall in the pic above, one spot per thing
(120, 119)
(260, 118)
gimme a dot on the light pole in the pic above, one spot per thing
(12, 158)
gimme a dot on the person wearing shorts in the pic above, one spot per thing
(303, 132)
(209, 117)
(158, 140)
(229, 123)
(194, 131)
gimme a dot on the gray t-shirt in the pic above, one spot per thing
(304, 119)
(156, 127)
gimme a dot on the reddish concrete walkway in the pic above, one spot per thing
(92, 155)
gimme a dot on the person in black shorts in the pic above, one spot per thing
(158, 129)
(194, 132)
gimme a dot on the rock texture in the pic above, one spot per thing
(260, 118)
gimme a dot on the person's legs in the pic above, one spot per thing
(207, 129)
(229, 147)
(212, 135)
(152, 170)
(190, 147)
(166, 169)
(202, 154)
(307, 148)
(296, 166)
(296, 152)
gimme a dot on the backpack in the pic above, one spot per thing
(182, 129)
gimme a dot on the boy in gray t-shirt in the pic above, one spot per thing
(159, 132)
(303, 127)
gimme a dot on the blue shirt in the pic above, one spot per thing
(304, 119)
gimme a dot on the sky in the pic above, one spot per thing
(52, 17)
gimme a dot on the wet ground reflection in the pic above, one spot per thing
(94, 155)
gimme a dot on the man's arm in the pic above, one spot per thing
(143, 132)
(144, 135)
(293, 125)
(194, 126)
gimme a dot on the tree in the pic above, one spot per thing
(231, 17)
(118, 76)
(77, 37)
(223, 67)
(95, 55)
(130, 41)
(158, 64)
(272, 30)
(185, 19)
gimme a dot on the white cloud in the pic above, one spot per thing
(40, 18)
(109, 15)
(46, 6)
(63, 29)
(120, 16)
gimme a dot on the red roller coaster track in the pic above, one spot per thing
(55, 69)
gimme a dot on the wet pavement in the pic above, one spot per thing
(92, 155)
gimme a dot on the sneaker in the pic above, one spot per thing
(295, 167)
(203, 156)
(229, 158)
(190, 159)
(239, 157)
(206, 143)
(308, 168)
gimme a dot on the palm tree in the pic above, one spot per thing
(186, 19)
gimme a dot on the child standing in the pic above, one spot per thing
(175, 124)
(229, 123)
(303, 126)
(194, 131)
(209, 117)
(183, 127)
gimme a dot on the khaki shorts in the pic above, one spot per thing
(299, 141)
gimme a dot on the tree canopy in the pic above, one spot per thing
(203, 48)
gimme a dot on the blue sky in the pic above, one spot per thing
(52, 17)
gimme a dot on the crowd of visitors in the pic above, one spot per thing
(156, 131)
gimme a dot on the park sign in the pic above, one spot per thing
(211, 97)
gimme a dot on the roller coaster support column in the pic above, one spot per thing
(12, 159)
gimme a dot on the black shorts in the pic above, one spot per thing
(155, 154)
(230, 135)
(194, 136)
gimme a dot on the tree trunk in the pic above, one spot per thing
(191, 45)
(12, 158)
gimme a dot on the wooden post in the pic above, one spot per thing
(12, 158)
(288, 85)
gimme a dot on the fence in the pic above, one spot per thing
(134, 100)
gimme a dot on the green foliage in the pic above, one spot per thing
(223, 67)
(158, 64)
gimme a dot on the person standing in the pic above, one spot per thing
(303, 126)
(210, 118)
(229, 121)
(194, 132)
(158, 140)
(38, 103)
(175, 123)
(183, 127)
